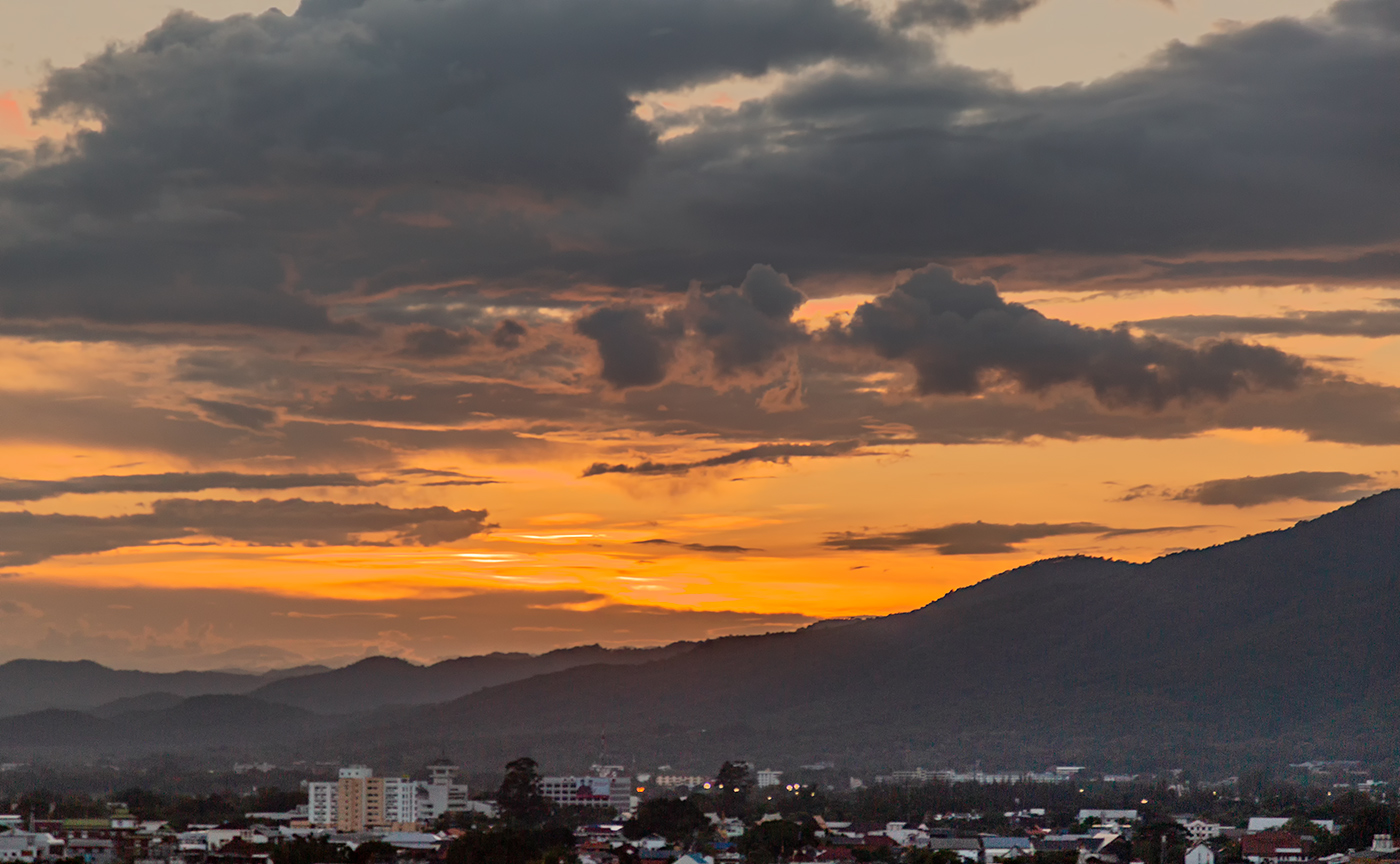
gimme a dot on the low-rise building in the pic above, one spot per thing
(1200, 854)
(1270, 847)
(30, 846)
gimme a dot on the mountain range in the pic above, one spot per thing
(1275, 648)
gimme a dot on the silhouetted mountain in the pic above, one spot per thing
(1279, 646)
(377, 682)
(1274, 648)
(32, 685)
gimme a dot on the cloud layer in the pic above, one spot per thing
(27, 538)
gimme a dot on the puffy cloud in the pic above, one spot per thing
(184, 481)
(246, 168)
(243, 166)
(960, 336)
(26, 538)
(508, 334)
(745, 328)
(1328, 486)
(636, 347)
(761, 453)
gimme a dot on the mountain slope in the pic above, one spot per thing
(377, 682)
(1274, 647)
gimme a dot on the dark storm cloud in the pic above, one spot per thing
(247, 167)
(981, 538)
(636, 347)
(1327, 486)
(1274, 136)
(761, 453)
(27, 538)
(37, 490)
(957, 334)
(235, 157)
(1369, 323)
(719, 549)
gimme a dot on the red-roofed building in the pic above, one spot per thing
(1268, 847)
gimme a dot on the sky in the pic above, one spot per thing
(441, 327)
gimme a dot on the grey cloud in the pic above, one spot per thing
(37, 490)
(636, 347)
(1368, 323)
(435, 342)
(956, 334)
(236, 176)
(27, 538)
(963, 538)
(445, 478)
(959, 14)
(247, 416)
(1327, 486)
(1265, 138)
(229, 178)
(761, 453)
(508, 334)
(981, 538)
(746, 327)
(720, 549)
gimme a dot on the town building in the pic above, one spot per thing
(613, 792)
(1270, 847)
(30, 846)
(1200, 854)
(768, 777)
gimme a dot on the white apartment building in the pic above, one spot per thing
(321, 797)
(1199, 830)
(769, 777)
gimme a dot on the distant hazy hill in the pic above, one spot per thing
(31, 685)
(214, 726)
(1278, 646)
(382, 681)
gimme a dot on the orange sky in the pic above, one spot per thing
(423, 414)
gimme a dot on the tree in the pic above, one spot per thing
(769, 841)
(551, 845)
(679, 821)
(732, 788)
(519, 799)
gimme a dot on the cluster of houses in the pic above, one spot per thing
(359, 807)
